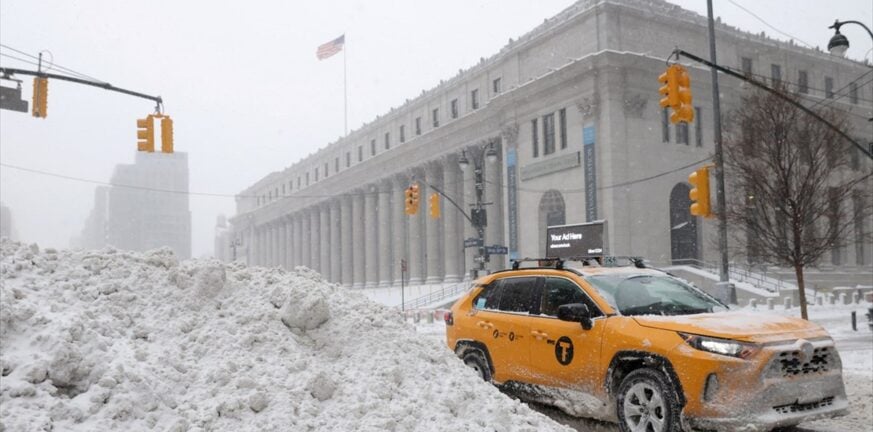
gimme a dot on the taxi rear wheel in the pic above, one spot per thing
(647, 403)
(476, 360)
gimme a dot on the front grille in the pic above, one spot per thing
(802, 407)
(791, 363)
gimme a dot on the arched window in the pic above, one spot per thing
(551, 212)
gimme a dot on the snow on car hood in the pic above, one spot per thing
(740, 325)
(111, 340)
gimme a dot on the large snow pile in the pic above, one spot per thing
(112, 340)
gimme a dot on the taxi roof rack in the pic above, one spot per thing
(587, 260)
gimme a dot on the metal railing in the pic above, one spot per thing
(742, 272)
(435, 296)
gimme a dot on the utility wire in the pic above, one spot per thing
(769, 25)
(53, 65)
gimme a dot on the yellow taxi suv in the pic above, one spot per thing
(646, 349)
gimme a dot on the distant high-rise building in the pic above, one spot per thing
(5, 222)
(145, 208)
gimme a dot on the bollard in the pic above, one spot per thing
(430, 317)
(753, 303)
(417, 317)
(843, 298)
(771, 302)
(819, 301)
(832, 300)
(788, 303)
(856, 297)
(854, 321)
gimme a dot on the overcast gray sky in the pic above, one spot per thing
(244, 87)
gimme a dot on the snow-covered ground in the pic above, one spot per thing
(110, 340)
(855, 348)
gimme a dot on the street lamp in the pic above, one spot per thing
(485, 153)
(839, 43)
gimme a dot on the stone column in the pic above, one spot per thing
(494, 194)
(453, 246)
(371, 227)
(314, 242)
(298, 239)
(416, 236)
(324, 239)
(268, 245)
(335, 242)
(468, 198)
(262, 245)
(385, 224)
(276, 244)
(398, 228)
(433, 227)
(358, 227)
(283, 248)
(305, 249)
(347, 275)
(289, 242)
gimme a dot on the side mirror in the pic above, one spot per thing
(576, 312)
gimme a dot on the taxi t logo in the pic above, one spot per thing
(564, 350)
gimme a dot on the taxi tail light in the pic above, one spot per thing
(450, 319)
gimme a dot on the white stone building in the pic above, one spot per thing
(571, 109)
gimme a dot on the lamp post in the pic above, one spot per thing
(839, 43)
(480, 155)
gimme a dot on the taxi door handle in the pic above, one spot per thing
(539, 335)
(485, 324)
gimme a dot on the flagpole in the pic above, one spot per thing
(345, 91)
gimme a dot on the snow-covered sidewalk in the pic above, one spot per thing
(110, 340)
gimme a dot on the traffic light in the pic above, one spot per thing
(670, 87)
(166, 134)
(412, 198)
(434, 205)
(699, 193)
(684, 112)
(145, 134)
(40, 97)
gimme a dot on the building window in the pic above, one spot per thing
(454, 106)
(336, 164)
(698, 127)
(776, 74)
(290, 185)
(316, 174)
(325, 170)
(858, 216)
(834, 221)
(402, 133)
(387, 140)
(562, 126)
(747, 66)
(418, 125)
(436, 117)
(829, 87)
(803, 82)
(373, 147)
(348, 159)
(853, 92)
(665, 125)
(548, 134)
(360, 153)
(534, 138)
(298, 182)
(682, 133)
(495, 85)
(307, 179)
(474, 99)
(283, 189)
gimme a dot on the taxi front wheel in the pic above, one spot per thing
(476, 360)
(647, 403)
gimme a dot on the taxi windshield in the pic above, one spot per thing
(653, 295)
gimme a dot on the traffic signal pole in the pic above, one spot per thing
(6, 72)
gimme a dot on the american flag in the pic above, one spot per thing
(326, 50)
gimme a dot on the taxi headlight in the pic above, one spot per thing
(720, 346)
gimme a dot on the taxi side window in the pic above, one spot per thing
(489, 297)
(560, 291)
(518, 294)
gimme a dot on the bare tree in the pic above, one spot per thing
(788, 174)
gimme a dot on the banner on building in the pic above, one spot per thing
(512, 200)
(590, 173)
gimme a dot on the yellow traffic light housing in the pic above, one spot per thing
(434, 205)
(699, 193)
(670, 87)
(684, 112)
(145, 134)
(412, 199)
(166, 134)
(40, 97)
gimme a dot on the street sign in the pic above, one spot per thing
(496, 250)
(10, 99)
(472, 242)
